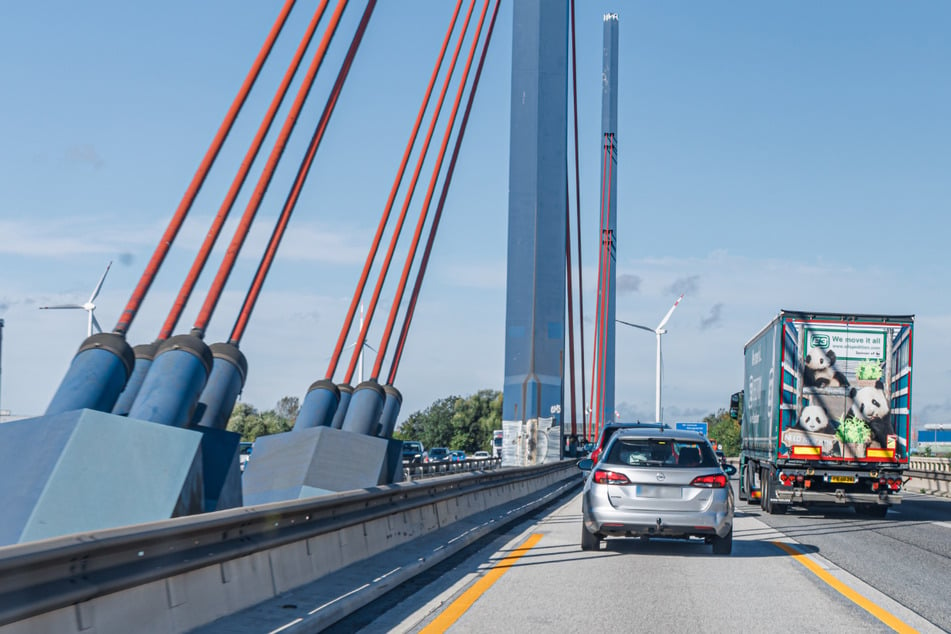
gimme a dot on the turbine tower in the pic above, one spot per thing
(658, 331)
(89, 306)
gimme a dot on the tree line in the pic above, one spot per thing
(457, 422)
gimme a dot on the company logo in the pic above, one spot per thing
(819, 341)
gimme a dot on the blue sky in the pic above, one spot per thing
(771, 155)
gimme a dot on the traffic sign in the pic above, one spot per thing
(699, 427)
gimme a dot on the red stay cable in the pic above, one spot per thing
(241, 232)
(574, 83)
(151, 270)
(421, 221)
(212, 236)
(408, 318)
(302, 172)
(384, 219)
(599, 330)
(571, 310)
(398, 228)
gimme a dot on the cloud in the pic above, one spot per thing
(628, 284)
(84, 154)
(684, 285)
(713, 318)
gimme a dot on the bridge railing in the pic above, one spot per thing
(72, 583)
(430, 469)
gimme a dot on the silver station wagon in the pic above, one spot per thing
(658, 483)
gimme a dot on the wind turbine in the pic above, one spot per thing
(658, 332)
(365, 345)
(89, 307)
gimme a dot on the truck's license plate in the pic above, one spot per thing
(842, 479)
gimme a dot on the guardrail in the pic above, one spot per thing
(197, 569)
(429, 469)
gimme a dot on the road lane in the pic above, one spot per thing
(905, 555)
(631, 585)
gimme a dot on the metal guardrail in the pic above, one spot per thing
(413, 471)
(39, 577)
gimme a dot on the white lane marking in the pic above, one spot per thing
(284, 627)
(944, 524)
(342, 596)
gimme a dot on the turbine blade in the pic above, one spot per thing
(670, 312)
(627, 323)
(99, 285)
(61, 306)
(94, 323)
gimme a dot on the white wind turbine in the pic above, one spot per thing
(89, 307)
(658, 332)
(365, 346)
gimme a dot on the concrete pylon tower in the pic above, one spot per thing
(603, 380)
(536, 286)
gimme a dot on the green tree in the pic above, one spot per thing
(250, 423)
(456, 422)
(724, 430)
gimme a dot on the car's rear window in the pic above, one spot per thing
(661, 451)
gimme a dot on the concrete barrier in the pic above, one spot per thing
(178, 575)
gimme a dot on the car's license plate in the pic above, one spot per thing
(647, 491)
(842, 479)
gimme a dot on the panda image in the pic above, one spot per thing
(814, 419)
(819, 370)
(871, 405)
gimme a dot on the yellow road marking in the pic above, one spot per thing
(880, 613)
(458, 607)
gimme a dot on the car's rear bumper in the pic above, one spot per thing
(606, 520)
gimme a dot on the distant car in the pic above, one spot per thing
(413, 452)
(609, 429)
(481, 455)
(658, 483)
(457, 455)
(438, 454)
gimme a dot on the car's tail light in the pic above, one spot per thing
(603, 476)
(712, 481)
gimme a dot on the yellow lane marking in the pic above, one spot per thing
(458, 607)
(880, 613)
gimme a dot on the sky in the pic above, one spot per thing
(783, 155)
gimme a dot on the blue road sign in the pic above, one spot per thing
(700, 427)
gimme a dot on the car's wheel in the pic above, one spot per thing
(589, 541)
(723, 545)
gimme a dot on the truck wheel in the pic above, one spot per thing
(748, 479)
(766, 484)
(743, 488)
(723, 545)
(589, 541)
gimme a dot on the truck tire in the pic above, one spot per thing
(767, 504)
(742, 489)
(748, 479)
(589, 541)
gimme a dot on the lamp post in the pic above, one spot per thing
(658, 331)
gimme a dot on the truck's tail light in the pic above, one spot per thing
(712, 481)
(603, 476)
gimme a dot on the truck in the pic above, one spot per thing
(497, 443)
(826, 411)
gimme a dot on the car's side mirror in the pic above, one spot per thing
(586, 464)
(729, 470)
